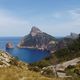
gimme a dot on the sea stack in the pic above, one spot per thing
(9, 45)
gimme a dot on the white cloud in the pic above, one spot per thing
(61, 23)
(66, 22)
(11, 25)
(75, 13)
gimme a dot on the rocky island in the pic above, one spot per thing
(39, 40)
(9, 45)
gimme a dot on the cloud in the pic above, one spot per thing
(12, 25)
(10, 20)
(58, 24)
(65, 22)
(75, 13)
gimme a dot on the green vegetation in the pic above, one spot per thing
(65, 54)
(42, 66)
(43, 63)
(21, 71)
(70, 52)
(74, 71)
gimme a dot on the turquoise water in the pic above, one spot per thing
(26, 55)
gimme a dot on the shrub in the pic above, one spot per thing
(77, 71)
(13, 61)
(48, 72)
(70, 67)
(1, 63)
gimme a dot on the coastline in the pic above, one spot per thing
(33, 48)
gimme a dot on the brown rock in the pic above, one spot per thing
(9, 45)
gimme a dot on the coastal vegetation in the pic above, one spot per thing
(74, 71)
(72, 51)
(13, 69)
(66, 51)
(21, 72)
(18, 70)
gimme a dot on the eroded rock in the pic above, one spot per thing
(9, 45)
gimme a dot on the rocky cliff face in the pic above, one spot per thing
(35, 31)
(38, 39)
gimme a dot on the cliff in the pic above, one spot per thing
(39, 40)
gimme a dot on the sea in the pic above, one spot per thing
(24, 54)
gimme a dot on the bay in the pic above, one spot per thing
(24, 54)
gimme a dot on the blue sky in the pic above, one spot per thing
(56, 17)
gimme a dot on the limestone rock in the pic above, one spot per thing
(9, 45)
(38, 39)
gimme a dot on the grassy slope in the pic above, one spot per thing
(21, 72)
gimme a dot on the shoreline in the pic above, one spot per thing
(33, 48)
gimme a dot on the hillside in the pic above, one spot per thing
(10, 65)
(64, 53)
(70, 52)
(20, 73)
(11, 69)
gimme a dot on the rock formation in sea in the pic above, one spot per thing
(39, 40)
(9, 45)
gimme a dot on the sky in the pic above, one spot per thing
(55, 17)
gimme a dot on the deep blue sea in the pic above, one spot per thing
(26, 55)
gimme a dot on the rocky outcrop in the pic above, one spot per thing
(9, 45)
(73, 36)
(39, 40)
(68, 40)
(35, 31)
(5, 58)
